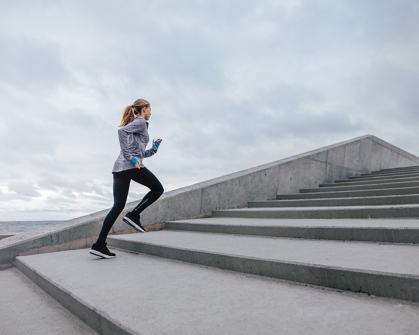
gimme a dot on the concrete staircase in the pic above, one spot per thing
(341, 258)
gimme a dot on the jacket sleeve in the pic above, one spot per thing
(151, 151)
(123, 133)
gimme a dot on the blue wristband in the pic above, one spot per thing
(156, 144)
(134, 160)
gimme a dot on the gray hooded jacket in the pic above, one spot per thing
(133, 139)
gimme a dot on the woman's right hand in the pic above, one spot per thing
(138, 165)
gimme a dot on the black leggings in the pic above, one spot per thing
(121, 181)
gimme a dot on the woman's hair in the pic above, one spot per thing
(132, 110)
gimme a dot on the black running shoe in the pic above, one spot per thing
(101, 251)
(133, 221)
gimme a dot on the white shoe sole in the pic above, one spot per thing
(98, 253)
(132, 224)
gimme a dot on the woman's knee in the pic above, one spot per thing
(159, 190)
(118, 208)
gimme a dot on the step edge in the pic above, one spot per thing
(68, 300)
(327, 233)
(365, 180)
(363, 184)
(344, 198)
(253, 269)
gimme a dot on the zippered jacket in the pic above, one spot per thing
(133, 139)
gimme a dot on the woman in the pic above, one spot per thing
(133, 139)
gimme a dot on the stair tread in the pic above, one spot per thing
(319, 208)
(405, 168)
(358, 256)
(351, 197)
(27, 309)
(376, 180)
(345, 198)
(390, 175)
(369, 183)
(341, 223)
(151, 295)
(331, 189)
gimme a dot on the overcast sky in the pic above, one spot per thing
(232, 84)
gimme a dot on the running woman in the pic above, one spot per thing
(133, 139)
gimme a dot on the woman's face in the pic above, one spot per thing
(147, 113)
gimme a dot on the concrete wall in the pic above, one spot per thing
(339, 161)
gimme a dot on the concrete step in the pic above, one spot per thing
(395, 178)
(390, 176)
(384, 270)
(406, 181)
(408, 168)
(372, 186)
(26, 309)
(141, 294)
(394, 173)
(355, 201)
(374, 230)
(353, 212)
(349, 194)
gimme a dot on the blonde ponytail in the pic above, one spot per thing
(131, 112)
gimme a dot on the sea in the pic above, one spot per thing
(16, 227)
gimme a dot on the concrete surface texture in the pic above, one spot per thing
(26, 309)
(320, 252)
(373, 230)
(141, 294)
(397, 259)
(222, 275)
(339, 161)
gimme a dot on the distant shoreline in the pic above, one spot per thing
(22, 226)
(1, 221)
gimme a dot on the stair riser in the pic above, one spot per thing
(408, 168)
(374, 180)
(383, 235)
(339, 187)
(329, 213)
(349, 194)
(389, 176)
(398, 200)
(88, 314)
(371, 182)
(384, 285)
(386, 174)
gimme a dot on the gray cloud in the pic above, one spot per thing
(28, 63)
(23, 188)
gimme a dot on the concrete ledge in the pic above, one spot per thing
(356, 201)
(388, 285)
(377, 180)
(396, 234)
(339, 161)
(371, 176)
(405, 169)
(103, 324)
(354, 193)
(350, 212)
(343, 187)
(373, 184)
